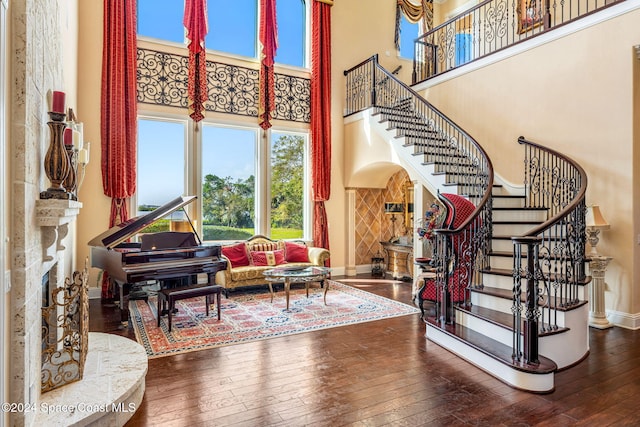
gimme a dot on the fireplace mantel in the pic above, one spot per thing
(54, 212)
(54, 216)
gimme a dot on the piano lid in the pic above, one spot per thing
(121, 232)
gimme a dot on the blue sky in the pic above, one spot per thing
(226, 151)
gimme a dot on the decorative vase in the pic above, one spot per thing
(56, 161)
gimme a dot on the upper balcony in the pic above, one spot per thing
(493, 26)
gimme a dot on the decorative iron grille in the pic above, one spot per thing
(65, 332)
(162, 80)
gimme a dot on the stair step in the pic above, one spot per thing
(492, 348)
(504, 320)
(559, 304)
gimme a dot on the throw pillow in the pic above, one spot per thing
(237, 254)
(296, 252)
(261, 258)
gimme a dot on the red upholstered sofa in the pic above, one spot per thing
(248, 259)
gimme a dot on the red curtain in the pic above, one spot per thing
(321, 118)
(119, 110)
(269, 42)
(195, 23)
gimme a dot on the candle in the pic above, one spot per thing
(88, 146)
(83, 156)
(68, 137)
(77, 140)
(80, 128)
(57, 105)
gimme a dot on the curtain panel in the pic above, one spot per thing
(414, 13)
(195, 24)
(321, 117)
(118, 111)
(269, 42)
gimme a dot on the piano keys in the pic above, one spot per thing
(159, 256)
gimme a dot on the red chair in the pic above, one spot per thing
(458, 210)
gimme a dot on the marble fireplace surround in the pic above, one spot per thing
(113, 384)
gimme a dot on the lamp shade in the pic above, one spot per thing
(393, 208)
(595, 219)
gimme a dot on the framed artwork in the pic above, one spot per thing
(530, 14)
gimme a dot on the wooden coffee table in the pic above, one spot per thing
(289, 275)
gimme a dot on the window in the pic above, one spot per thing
(287, 184)
(245, 184)
(161, 166)
(163, 23)
(228, 183)
(292, 24)
(233, 27)
(408, 33)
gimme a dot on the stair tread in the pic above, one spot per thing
(505, 320)
(494, 349)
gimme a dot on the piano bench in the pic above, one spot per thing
(171, 295)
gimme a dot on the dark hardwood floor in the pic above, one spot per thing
(373, 374)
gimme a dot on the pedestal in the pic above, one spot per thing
(597, 314)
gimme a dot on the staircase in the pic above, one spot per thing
(526, 315)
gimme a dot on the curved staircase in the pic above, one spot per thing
(525, 315)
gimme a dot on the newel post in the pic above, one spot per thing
(529, 270)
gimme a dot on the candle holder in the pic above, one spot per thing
(70, 183)
(56, 161)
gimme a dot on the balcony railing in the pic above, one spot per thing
(491, 26)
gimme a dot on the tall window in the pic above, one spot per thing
(233, 27)
(228, 182)
(288, 161)
(161, 165)
(408, 33)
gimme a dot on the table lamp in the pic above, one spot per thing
(594, 221)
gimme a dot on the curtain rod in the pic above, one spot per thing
(329, 2)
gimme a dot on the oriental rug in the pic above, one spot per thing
(250, 316)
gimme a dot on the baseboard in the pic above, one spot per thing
(95, 293)
(624, 320)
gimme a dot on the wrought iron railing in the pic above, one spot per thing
(491, 26)
(232, 89)
(549, 261)
(461, 252)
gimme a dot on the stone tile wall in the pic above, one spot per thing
(36, 59)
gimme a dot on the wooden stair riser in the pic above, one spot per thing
(512, 215)
(505, 306)
(507, 202)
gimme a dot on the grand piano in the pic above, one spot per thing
(162, 256)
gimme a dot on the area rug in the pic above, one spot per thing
(251, 316)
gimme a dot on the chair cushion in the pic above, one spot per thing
(296, 252)
(237, 254)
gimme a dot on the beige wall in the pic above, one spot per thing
(574, 95)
